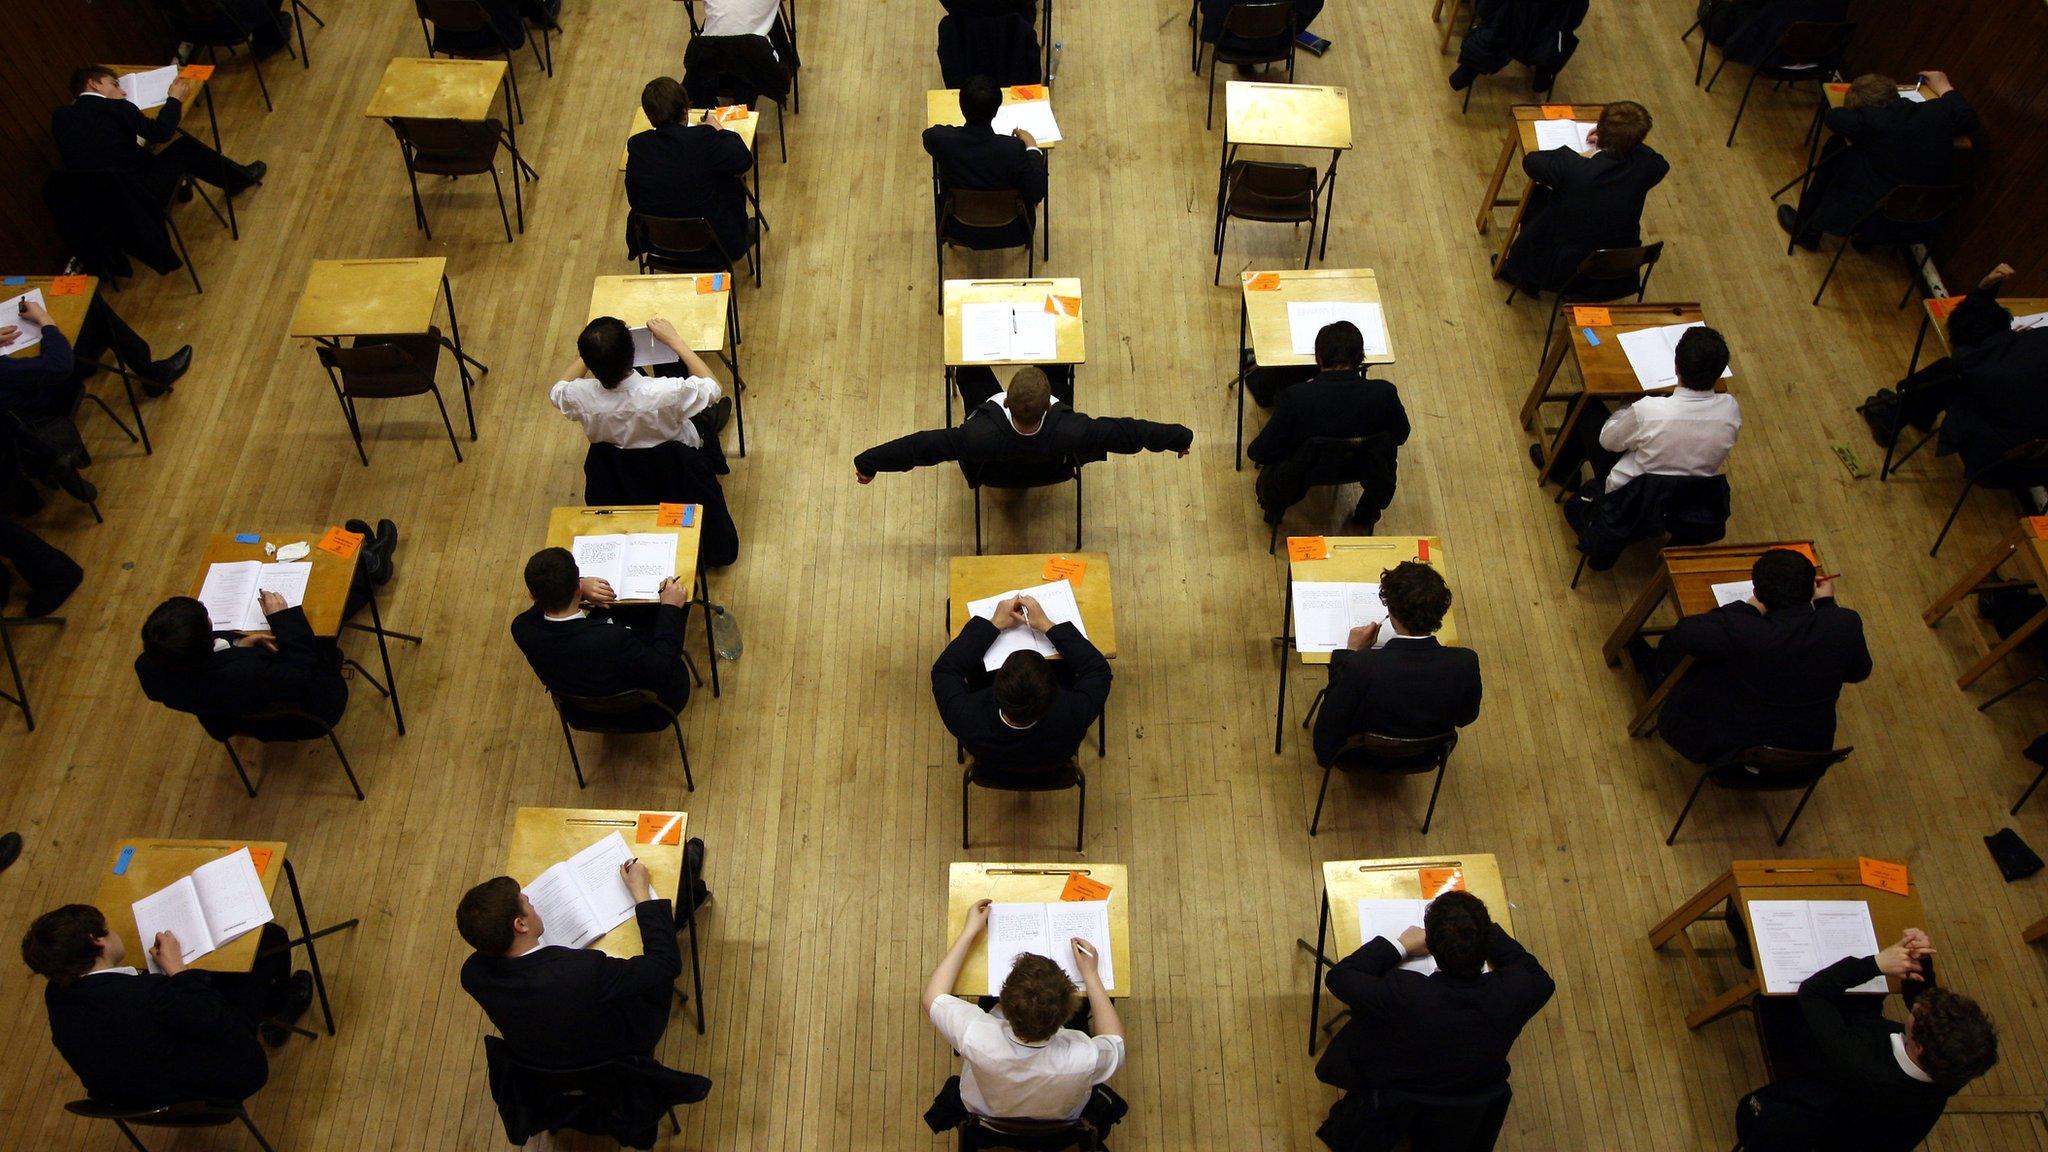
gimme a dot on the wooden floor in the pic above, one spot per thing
(826, 785)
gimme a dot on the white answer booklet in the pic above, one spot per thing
(1653, 354)
(28, 335)
(1796, 938)
(648, 351)
(1056, 598)
(583, 897)
(1734, 590)
(1563, 134)
(1305, 318)
(1390, 918)
(149, 89)
(221, 901)
(1325, 613)
(633, 563)
(1033, 116)
(990, 332)
(1048, 930)
(230, 592)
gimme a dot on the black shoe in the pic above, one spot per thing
(289, 1007)
(714, 418)
(373, 559)
(1462, 77)
(44, 599)
(386, 545)
(10, 849)
(184, 193)
(1540, 81)
(1536, 456)
(693, 865)
(161, 374)
(1788, 219)
(66, 477)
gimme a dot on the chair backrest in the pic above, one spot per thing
(1335, 459)
(209, 19)
(1259, 21)
(986, 208)
(1917, 203)
(376, 371)
(1812, 42)
(461, 16)
(450, 147)
(1268, 181)
(1371, 751)
(271, 722)
(1762, 766)
(679, 239)
(1050, 778)
(634, 711)
(185, 1114)
(1470, 1122)
(980, 1132)
(1021, 471)
(1614, 263)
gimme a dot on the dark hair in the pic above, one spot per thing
(1029, 395)
(1623, 124)
(1958, 1043)
(80, 77)
(1977, 319)
(663, 101)
(178, 632)
(607, 350)
(1783, 579)
(551, 578)
(1871, 90)
(59, 945)
(1339, 345)
(979, 99)
(1415, 595)
(486, 913)
(1025, 687)
(1457, 930)
(1037, 998)
(1702, 357)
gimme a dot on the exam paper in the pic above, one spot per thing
(1033, 116)
(647, 350)
(1390, 918)
(991, 332)
(1325, 613)
(2030, 320)
(633, 563)
(1563, 134)
(10, 315)
(1056, 598)
(1652, 353)
(1796, 938)
(1731, 592)
(149, 89)
(1048, 930)
(229, 592)
(1306, 318)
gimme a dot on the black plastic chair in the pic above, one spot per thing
(115, 192)
(16, 425)
(636, 712)
(387, 368)
(458, 148)
(1893, 458)
(2021, 467)
(1025, 472)
(1059, 779)
(275, 724)
(1269, 28)
(966, 218)
(1272, 193)
(207, 24)
(689, 244)
(1599, 264)
(1766, 769)
(463, 29)
(987, 1133)
(603, 1090)
(1324, 462)
(20, 697)
(1909, 214)
(189, 1114)
(1369, 752)
(1808, 51)
(1428, 1122)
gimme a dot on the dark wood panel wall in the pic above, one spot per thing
(1996, 53)
(45, 40)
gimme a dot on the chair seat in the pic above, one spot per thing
(1741, 778)
(1026, 779)
(1272, 54)
(638, 723)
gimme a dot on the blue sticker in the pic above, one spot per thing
(1590, 338)
(121, 861)
(689, 514)
(248, 538)
(14, 280)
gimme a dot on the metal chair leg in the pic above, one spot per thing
(1986, 706)
(689, 781)
(343, 757)
(1442, 766)
(130, 1134)
(1796, 811)
(1322, 792)
(1081, 818)
(1582, 565)
(505, 217)
(574, 761)
(243, 1114)
(977, 521)
(1682, 812)
(1832, 264)
(1746, 89)
(448, 424)
(2017, 804)
(258, 66)
(239, 771)
(1951, 521)
(966, 782)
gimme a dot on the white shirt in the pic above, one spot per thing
(740, 17)
(1004, 1077)
(1906, 1064)
(641, 412)
(1688, 433)
(126, 970)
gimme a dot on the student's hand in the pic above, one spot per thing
(8, 332)
(257, 640)
(674, 593)
(168, 954)
(1824, 588)
(1033, 614)
(663, 331)
(1992, 277)
(1899, 961)
(180, 88)
(1085, 960)
(1026, 137)
(1414, 942)
(977, 919)
(1916, 942)
(1592, 142)
(1362, 637)
(634, 873)
(271, 603)
(1937, 82)
(862, 477)
(1009, 613)
(35, 313)
(593, 590)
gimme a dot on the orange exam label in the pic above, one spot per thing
(1027, 91)
(2038, 525)
(67, 285)
(669, 515)
(659, 828)
(1307, 548)
(1068, 568)
(1592, 317)
(1080, 887)
(1940, 306)
(1557, 111)
(1262, 281)
(729, 113)
(1437, 881)
(1807, 551)
(341, 542)
(714, 282)
(1064, 306)
(200, 72)
(259, 857)
(1882, 874)
(1422, 550)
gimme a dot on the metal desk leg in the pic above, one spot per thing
(1329, 201)
(739, 383)
(20, 697)
(710, 642)
(686, 900)
(462, 358)
(390, 685)
(1286, 622)
(1243, 323)
(1919, 342)
(1315, 980)
(307, 937)
(952, 382)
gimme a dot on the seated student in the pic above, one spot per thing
(1447, 1033)
(1766, 670)
(1539, 33)
(98, 131)
(1748, 30)
(188, 667)
(1408, 685)
(680, 169)
(576, 653)
(101, 329)
(971, 156)
(1338, 401)
(1024, 718)
(51, 576)
(1023, 421)
(1305, 12)
(1881, 140)
(618, 404)
(1018, 1062)
(740, 17)
(560, 1007)
(1874, 1084)
(37, 396)
(1688, 433)
(1989, 384)
(147, 1039)
(1584, 203)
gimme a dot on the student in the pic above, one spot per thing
(1023, 421)
(740, 17)
(1989, 384)
(1881, 140)
(1688, 433)
(1875, 1084)
(101, 329)
(578, 653)
(1584, 203)
(971, 156)
(98, 130)
(1018, 1062)
(618, 404)
(148, 1039)
(51, 576)
(221, 677)
(1539, 33)
(680, 169)
(1338, 401)
(560, 1007)
(1023, 719)
(1447, 1033)
(37, 396)
(1766, 670)
(1410, 685)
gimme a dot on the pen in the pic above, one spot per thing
(597, 511)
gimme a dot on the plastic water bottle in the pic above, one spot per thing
(725, 633)
(1052, 69)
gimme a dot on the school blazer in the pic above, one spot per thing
(148, 1040)
(571, 1007)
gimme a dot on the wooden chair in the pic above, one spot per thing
(631, 713)
(986, 1133)
(982, 220)
(1268, 192)
(1391, 755)
(2018, 468)
(275, 724)
(459, 148)
(1270, 29)
(1057, 779)
(1765, 769)
(463, 29)
(187, 1114)
(20, 697)
(1024, 472)
(1909, 214)
(387, 368)
(1808, 51)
